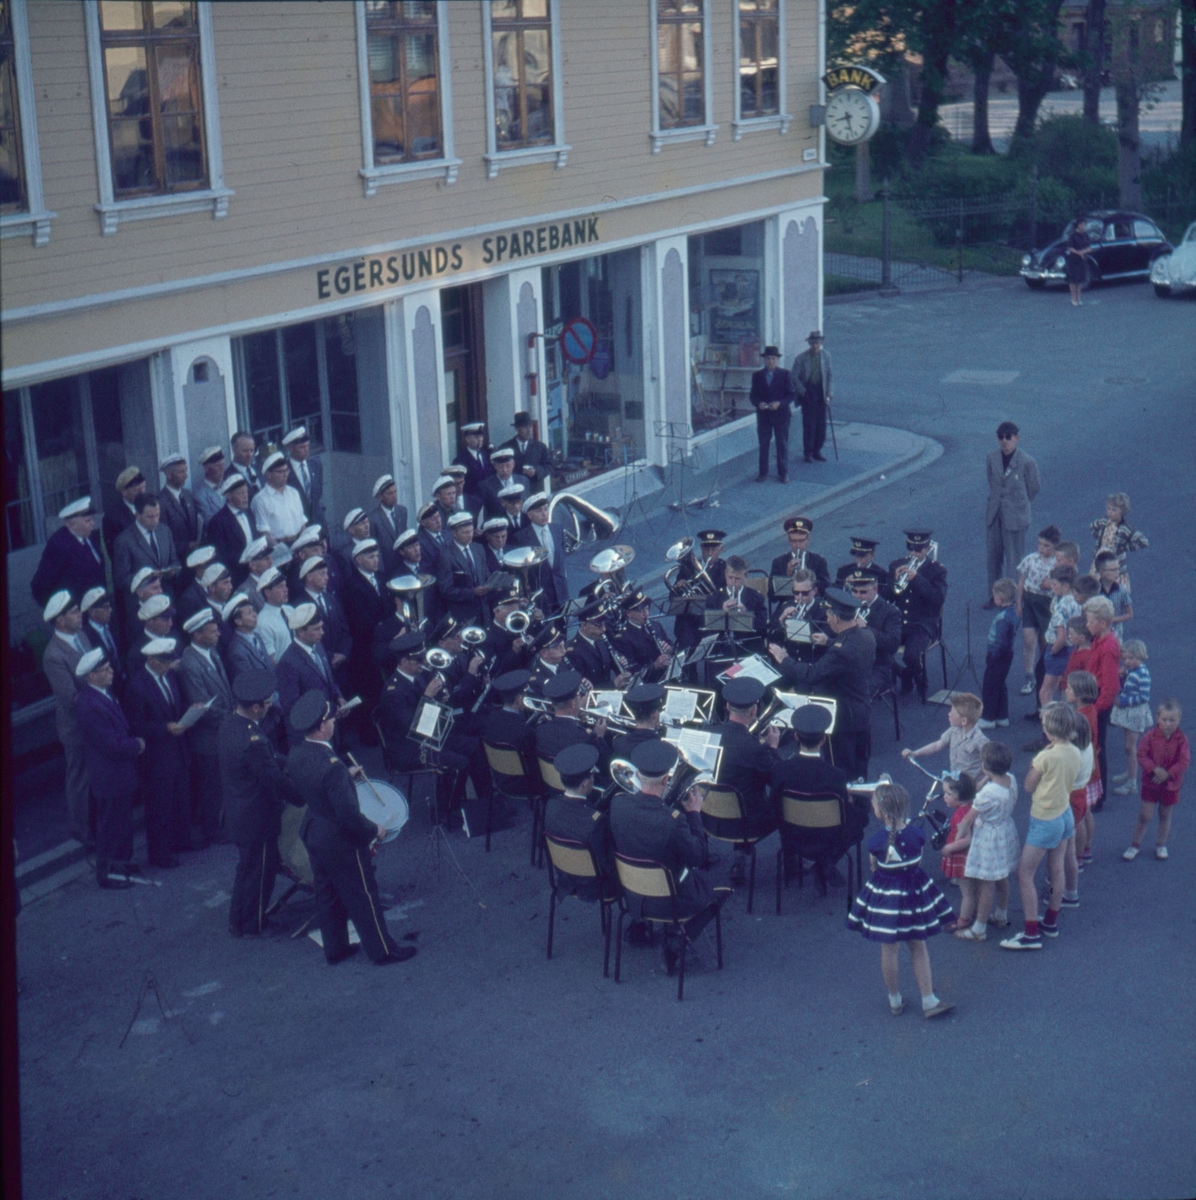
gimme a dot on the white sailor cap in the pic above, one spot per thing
(200, 556)
(128, 477)
(232, 604)
(443, 481)
(538, 499)
(460, 518)
(211, 454)
(215, 572)
(408, 535)
(171, 460)
(474, 427)
(513, 491)
(311, 564)
(494, 524)
(308, 536)
(272, 460)
(428, 510)
(142, 578)
(77, 508)
(89, 662)
(382, 483)
(303, 615)
(160, 648)
(235, 480)
(57, 605)
(501, 454)
(258, 548)
(269, 577)
(352, 517)
(94, 598)
(298, 434)
(456, 470)
(197, 620)
(155, 606)
(364, 546)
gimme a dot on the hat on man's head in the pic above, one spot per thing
(255, 686)
(197, 620)
(426, 510)
(58, 603)
(96, 597)
(511, 683)
(550, 635)
(770, 352)
(798, 525)
(443, 482)
(200, 556)
(409, 644)
(269, 578)
(90, 661)
(381, 484)
(210, 454)
(408, 535)
(562, 687)
(496, 525)
(594, 612)
(455, 471)
(235, 480)
(277, 459)
(258, 548)
(634, 599)
(815, 336)
(460, 518)
(811, 720)
(143, 576)
(743, 693)
(312, 564)
(365, 546)
(77, 508)
(171, 460)
(128, 477)
(654, 759)
(309, 535)
(644, 699)
(513, 491)
(861, 545)
(303, 615)
(843, 604)
(214, 574)
(502, 454)
(163, 647)
(538, 499)
(352, 517)
(155, 606)
(917, 539)
(445, 627)
(859, 579)
(574, 763)
(712, 537)
(310, 710)
(297, 435)
(522, 418)
(474, 427)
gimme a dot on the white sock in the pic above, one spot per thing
(929, 1001)
(1002, 914)
(895, 1000)
(979, 926)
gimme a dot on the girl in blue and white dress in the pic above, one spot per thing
(900, 903)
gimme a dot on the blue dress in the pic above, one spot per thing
(899, 903)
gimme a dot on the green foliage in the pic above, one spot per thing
(1169, 189)
(955, 172)
(1079, 156)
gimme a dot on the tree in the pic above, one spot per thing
(1187, 131)
(1094, 59)
(1034, 54)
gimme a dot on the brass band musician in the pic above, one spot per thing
(799, 555)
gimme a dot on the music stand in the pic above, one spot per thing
(679, 699)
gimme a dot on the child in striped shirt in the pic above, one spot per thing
(1132, 710)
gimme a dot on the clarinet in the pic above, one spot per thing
(616, 657)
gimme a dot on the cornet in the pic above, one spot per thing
(517, 622)
(439, 661)
(911, 568)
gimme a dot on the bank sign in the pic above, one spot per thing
(518, 243)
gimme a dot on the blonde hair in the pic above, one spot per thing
(1100, 607)
(1169, 705)
(968, 706)
(892, 801)
(1120, 501)
(1081, 731)
(1135, 647)
(1056, 720)
(1005, 588)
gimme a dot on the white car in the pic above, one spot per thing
(1175, 273)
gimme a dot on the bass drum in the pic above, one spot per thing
(291, 849)
(383, 804)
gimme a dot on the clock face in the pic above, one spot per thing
(852, 116)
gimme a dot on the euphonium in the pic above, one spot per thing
(517, 622)
(604, 524)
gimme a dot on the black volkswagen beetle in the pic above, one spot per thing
(1124, 246)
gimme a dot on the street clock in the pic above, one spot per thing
(852, 112)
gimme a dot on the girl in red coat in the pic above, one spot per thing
(1163, 755)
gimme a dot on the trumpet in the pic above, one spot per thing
(438, 661)
(911, 568)
(473, 635)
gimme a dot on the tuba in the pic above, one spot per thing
(700, 584)
(603, 523)
(624, 775)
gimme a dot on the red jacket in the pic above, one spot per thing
(1103, 660)
(1172, 754)
(1077, 662)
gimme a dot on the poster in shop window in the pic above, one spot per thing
(735, 314)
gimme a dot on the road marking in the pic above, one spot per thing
(981, 377)
(204, 989)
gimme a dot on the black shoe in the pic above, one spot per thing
(761, 478)
(401, 954)
(348, 952)
(820, 458)
(637, 933)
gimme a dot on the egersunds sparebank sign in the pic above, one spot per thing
(516, 244)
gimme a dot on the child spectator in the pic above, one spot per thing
(1081, 738)
(1163, 755)
(1080, 641)
(1082, 691)
(1049, 780)
(1114, 532)
(1084, 588)
(1108, 572)
(1132, 710)
(1033, 599)
(998, 657)
(1103, 661)
(994, 852)
(1057, 652)
(1067, 554)
(962, 738)
(958, 795)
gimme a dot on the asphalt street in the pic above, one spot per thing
(160, 1059)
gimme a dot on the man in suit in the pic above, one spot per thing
(799, 554)
(305, 546)
(354, 528)
(367, 604)
(338, 640)
(232, 530)
(207, 492)
(548, 647)
(433, 537)
(549, 577)
(736, 596)
(642, 641)
(590, 652)
(507, 724)
(247, 651)
(205, 681)
(156, 621)
(143, 544)
(461, 574)
(306, 474)
(97, 609)
(496, 535)
(511, 499)
(258, 558)
(67, 645)
(884, 619)
(256, 788)
(305, 666)
(1013, 482)
(843, 672)
(193, 595)
(180, 513)
(338, 840)
(111, 752)
(812, 379)
(445, 493)
(244, 449)
(130, 483)
(811, 777)
(802, 604)
(702, 564)
(746, 764)
(772, 397)
(506, 651)
(274, 616)
(71, 557)
(863, 558)
(919, 591)
(503, 462)
(218, 588)
(387, 520)
(475, 460)
(155, 704)
(533, 461)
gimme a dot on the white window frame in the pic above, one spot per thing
(216, 196)
(558, 152)
(689, 133)
(781, 120)
(375, 176)
(35, 220)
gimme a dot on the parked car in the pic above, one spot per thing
(1124, 246)
(1175, 273)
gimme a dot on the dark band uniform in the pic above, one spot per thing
(746, 765)
(751, 600)
(799, 560)
(884, 619)
(579, 819)
(687, 627)
(593, 661)
(921, 605)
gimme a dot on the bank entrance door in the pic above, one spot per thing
(464, 359)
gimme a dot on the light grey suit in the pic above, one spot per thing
(1007, 516)
(131, 552)
(58, 663)
(200, 682)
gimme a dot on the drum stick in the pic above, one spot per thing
(364, 777)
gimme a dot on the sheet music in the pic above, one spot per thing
(700, 747)
(612, 700)
(349, 706)
(797, 630)
(680, 706)
(702, 649)
(195, 713)
(753, 667)
(427, 720)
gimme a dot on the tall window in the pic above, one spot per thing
(154, 96)
(22, 207)
(404, 86)
(13, 195)
(680, 63)
(521, 40)
(759, 58)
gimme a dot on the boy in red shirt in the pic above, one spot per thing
(1104, 661)
(1163, 755)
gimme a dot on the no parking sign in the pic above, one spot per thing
(578, 340)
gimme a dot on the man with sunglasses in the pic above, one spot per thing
(1013, 481)
(884, 619)
(804, 605)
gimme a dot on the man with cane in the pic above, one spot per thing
(812, 380)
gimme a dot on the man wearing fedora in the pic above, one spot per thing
(772, 397)
(812, 377)
(533, 460)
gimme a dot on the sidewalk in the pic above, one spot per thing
(725, 497)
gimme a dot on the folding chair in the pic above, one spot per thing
(722, 816)
(573, 858)
(815, 814)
